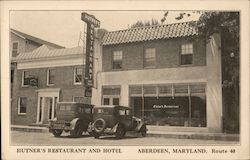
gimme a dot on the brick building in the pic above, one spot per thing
(22, 43)
(44, 77)
(168, 74)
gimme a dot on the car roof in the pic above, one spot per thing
(111, 106)
(74, 103)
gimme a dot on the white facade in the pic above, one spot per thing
(209, 74)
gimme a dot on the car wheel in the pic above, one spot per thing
(120, 132)
(99, 125)
(57, 132)
(77, 131)
(143, 131)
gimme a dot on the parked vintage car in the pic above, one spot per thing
(71, 117)
(115, 120)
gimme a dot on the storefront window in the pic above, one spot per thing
(171, 105)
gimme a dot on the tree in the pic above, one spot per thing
(227, 24)
(145, 23)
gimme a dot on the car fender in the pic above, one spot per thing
(73, 123)
(139, 126)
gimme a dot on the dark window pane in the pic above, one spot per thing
(78, 74)
(106, 101)
(51, 76)
(115, 101)
(50, 108)
(14, 49)
(166, 111)
(117, 64)
(26, 78)
(136, 104)
(55, 102)
(23, 105)
(12, 76)
(198, 115)
(186, 59)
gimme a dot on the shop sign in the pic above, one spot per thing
(91, 22)
(165, 106)
(90, 19)
(88, 92)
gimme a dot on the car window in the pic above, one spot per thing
(88, 110)
(128, 112)
(122, 112)
(101, 111)
(65, 107)
(84, 110)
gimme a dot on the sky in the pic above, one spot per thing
(64, 27)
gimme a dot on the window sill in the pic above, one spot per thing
(50, 85)
(186, 65)
(21, 114)
(117, 69)
(25, 86)
(149, 67)
(77, 84)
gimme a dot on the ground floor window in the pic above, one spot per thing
(79, 99)
(111, 95)
(22, 105)
(170, 105)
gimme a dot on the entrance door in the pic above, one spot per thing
(46, 104)
(46, 109)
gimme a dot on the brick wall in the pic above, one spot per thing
(167, 53)
(63, 79)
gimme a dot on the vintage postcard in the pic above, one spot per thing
(125, 80)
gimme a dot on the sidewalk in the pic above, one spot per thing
(177, 135)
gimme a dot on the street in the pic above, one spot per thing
(33, 138)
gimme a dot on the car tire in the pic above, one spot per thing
(96, 135)
(57, 132)
(143, 131)
(77, 131)
(120, 132)
(99, 125)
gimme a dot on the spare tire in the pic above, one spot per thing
(99, 125)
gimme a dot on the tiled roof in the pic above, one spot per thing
(45, 52)
(35, 39)
(148, 33)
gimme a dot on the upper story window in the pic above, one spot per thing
(25, 78)
(187, 54)
(117, 59)
(22, 105)
(15, 46)
(50, 77)
(78, 75)
(149, 57)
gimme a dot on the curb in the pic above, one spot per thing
(197, 136)
(30, 129)
(181, 135)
